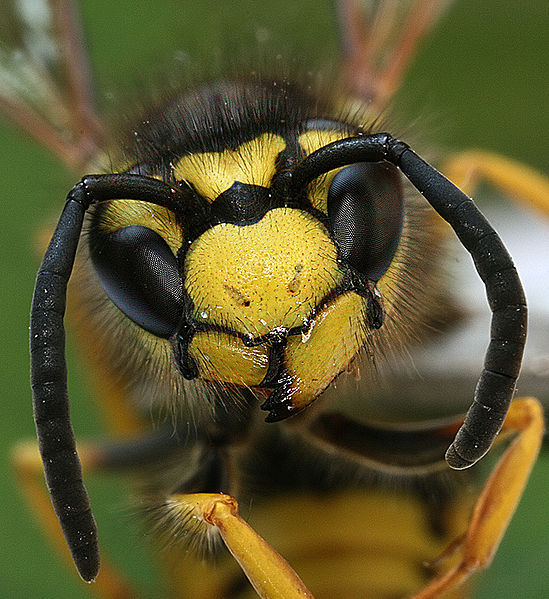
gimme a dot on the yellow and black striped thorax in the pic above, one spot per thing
(249, 284)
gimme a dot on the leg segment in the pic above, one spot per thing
(498, 499)
(28, 468)
(269, 573)
(528, 186)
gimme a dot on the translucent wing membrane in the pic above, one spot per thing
(45, 81)
(379, 39)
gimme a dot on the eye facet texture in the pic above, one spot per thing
(366, 213)
(141, 276)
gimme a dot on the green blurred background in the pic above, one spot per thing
(480, 80)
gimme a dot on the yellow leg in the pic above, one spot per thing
(498, 499)
(268, 572)
(526, 185)
(28, 467)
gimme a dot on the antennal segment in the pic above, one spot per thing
(56, 439)
(494, 265)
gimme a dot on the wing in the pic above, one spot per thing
(379, 39)
(45, 79)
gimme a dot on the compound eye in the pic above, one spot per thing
(140, 274)
(366, 213)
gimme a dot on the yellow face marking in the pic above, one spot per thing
(222, 357)
(310, 141)
(261, 277)
(212, 173)
(390, 282)
(336, 337)
(315, 139)
(125, 213)
(313, 360)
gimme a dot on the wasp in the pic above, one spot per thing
(223, 182)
